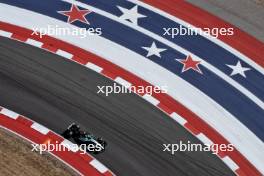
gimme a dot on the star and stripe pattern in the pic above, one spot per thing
(75, 14)
(140, 30)
(221, 75)
(132, 15)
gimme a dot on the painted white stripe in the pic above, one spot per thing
(151, 99)
(123, 82)
(99, 166)
(34, 43)
(71, 146)
(215, 70)
(94, 67)
(9, 113)
(178, 118)
(206, 108)
(5, 34)
(213, 39)
(40, 128)
(64, 54)
(204, 139)
(230, 163)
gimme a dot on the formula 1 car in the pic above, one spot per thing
(93, 145)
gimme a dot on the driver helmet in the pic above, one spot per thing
(83, 133)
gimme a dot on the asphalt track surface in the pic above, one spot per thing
(248, 15)
(56, 92)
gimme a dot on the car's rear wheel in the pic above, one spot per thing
(67, 134)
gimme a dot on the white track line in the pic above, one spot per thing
(215, 40)
(230, 163)
(178, 118)
(94, 67)
(69, 145)
(215, 70)
(9, 113)
(123, 82)
(98, 165)
(64, 54)
(34, 43)
(204, 139)
(40, 128)
(5, 34)
(206, 108)
(151, 99)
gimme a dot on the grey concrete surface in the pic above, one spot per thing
(55, 93)
(247, 15)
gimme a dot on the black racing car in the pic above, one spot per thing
(92, 144)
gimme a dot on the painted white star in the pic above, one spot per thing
(153, 50)
(131, 14)
(238, 69)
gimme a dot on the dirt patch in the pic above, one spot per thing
(16, 158)
(259, 2)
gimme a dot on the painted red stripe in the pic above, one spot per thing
(165, 108)
(109, 74)
(49, 47)
(240, 173)
(241, 41)
(191, 128)
(108, 173)
(18, 37)
(21, 126)
(24, 121)
(195, 123)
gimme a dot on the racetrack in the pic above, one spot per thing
(55, 93)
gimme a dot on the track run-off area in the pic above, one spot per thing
(57, 86)
(194, 126)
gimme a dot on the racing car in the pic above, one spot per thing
(83, 138)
